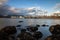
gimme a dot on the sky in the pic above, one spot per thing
(29, 7)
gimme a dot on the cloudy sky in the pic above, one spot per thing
(29, 7)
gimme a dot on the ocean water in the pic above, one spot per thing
(26, 22)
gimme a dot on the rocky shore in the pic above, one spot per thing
(30, 33)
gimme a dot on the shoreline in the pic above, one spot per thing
(34, 18)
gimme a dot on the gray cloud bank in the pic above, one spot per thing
(8, 10)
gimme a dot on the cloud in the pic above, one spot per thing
(33, 11)
(8, 10)
(3, 1)
(14, 10)
(4, 9)
(27, 11)
(57, 11)
(57, 6)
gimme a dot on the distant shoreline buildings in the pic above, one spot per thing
(55, 15)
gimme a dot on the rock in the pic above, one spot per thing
(3, 36)
(6, 36)
(20, 21)
(55, 29)
(12, 37)
(32, 29)
(37, 35)
(23, 30)
(44, 25)
(9, 30)
(37, 25)
(18, 26)
(25, 36)
(53, 37)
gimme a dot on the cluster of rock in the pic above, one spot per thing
(55, 30)
(7, 32)
(31, 33)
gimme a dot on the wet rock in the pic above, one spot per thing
(6, 32)
(20, 21)
(32, 29)
(3, 36)
(53, 37)
(9, 30)
(44, 25)
(18, 26)
(12, 37)
(37, 25)
(23, 30)
(37, 35)
(55, 29)
(25, 36)
(6, 36)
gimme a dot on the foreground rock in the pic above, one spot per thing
(23, 30)
(44, 25)
(18, 26)
(9, 30)
(32, 29)
(20, 21)
(3, 36)
(53, 37)
(28, 36)
(55, 29)
(37, 25)
(25, 36)
(37, 35)
(6, 32)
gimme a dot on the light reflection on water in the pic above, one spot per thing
(45, 30)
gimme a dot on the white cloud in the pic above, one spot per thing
(33, 11)
(14, 10)
(57, 11)
(57, 6)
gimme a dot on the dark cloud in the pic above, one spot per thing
(8, 10)
(3, 9)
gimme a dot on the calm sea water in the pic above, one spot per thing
(45, 30)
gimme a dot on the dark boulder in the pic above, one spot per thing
(9, 30)
(18, 26)
(37, 25)
(32, 29)
(53, 37)
(44, 25)
(23, 30)
(6, 32)
(55, 29)
(12, 37)
(20, 21)
(37, 35)
(25, 36)
(3, 36)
